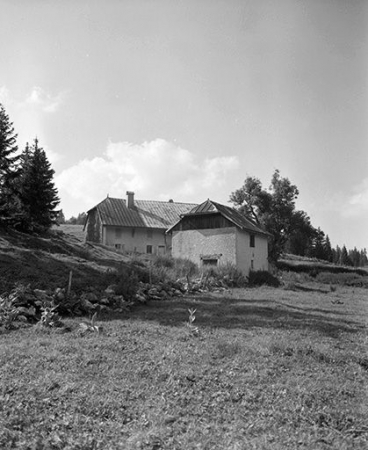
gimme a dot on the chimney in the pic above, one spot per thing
(130, 199)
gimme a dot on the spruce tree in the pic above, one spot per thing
(344, 257)
(319, 245)
(9, 204)
(38, 194)
(328, 249)
(363, 259)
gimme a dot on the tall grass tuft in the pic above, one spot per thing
(167, 269)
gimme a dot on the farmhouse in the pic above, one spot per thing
(214, 234)
(134, 225)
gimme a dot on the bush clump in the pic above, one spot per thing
(226, 274)
(167, 269)
(127, 282)
(345, 279)
(262, 277)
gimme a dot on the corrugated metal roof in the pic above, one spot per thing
(146, 213)
(238, 219)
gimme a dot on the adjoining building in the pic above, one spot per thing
(214, 234)
(134, 225)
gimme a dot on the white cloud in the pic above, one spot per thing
(45, 101)
(4, 95)
(358, 202)
(156, 170)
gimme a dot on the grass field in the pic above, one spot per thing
(268, 369)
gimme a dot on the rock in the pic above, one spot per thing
(22, 318)
(28, 312)
(88, 305)
(104, 301)
(92, 297)
(111, 290)
(141, 298)
(153, 292)
(42, 295)
(59, 294)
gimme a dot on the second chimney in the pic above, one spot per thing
(130, 199)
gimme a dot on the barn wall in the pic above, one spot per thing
(245, 254)
(192, 244)
(136, 239)
(94, 227)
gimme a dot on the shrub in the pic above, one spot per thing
(261, 277)
(127, 282)
(185, 267)
(346, 279)
(163, 261)
(166, 269)
(226, 274)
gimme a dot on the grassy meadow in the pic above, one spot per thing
(266, 368)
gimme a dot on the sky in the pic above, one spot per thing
(183, 99)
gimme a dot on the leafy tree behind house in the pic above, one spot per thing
(302, 235)
(9, 202)
(37, 191)
(273, 208)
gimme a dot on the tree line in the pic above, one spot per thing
(291, 230)
(28, 196)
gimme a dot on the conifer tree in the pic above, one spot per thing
(363, 259)
(319, 245)
(38, 194)
(9, 205)
(336, 255)
(344, 257)
(328, 249)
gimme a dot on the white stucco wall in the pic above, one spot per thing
(137, 241)
(233, 244)
(245, 254)
(192, 244)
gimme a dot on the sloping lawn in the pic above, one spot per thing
(268, 369)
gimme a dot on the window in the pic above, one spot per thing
(161, 250)
(209, 262)
(118, 233)
(252, 240)
(252, 265)
(133, 232)
(149, 249)
(118, 246)
(149, 234)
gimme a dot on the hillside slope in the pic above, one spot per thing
(45, 262)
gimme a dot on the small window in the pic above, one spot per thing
(118, 246)
(149, 249)
(252, 265)
(118, 233)
(252, 240)
(149, 234)
(209, 262)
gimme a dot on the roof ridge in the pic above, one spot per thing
(153, 201)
